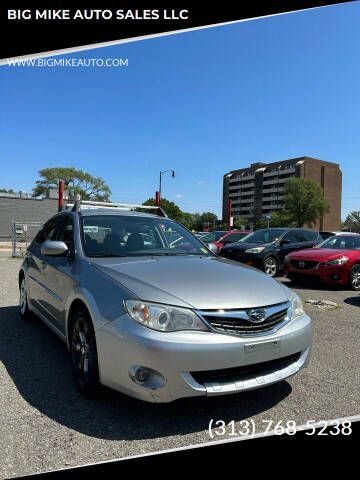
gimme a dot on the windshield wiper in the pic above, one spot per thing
(104, 255)
(176, 254)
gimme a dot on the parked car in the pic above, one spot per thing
(326, 235)
(266, 248)
(154, 321)
(221, 238)
(212, 237)
(336, 261)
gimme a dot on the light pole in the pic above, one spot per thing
(172, 175)
(229, 216)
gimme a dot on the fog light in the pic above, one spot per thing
(141, 374)
(146, 377)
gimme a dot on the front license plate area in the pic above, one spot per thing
(260, 347)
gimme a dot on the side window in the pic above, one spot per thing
(48, 230)
(310, 236)
(233, 237)
(303, 236)
(65, 233)
(292, 236)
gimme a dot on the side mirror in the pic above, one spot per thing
(226, 242)
(285, 242)
(54, 248)
(213, 248)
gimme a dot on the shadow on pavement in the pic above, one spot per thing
(39, 365)
(313, 286)
(354, 301)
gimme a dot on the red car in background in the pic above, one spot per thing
(335, 261)
(223, 237)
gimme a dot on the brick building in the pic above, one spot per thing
(256, 191)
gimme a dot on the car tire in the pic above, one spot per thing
(354, 277)
(84, 356)
(25, 313)
(271, 266)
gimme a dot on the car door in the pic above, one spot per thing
(36, 264)
(231, 238)
(58, 275)
(293, 242)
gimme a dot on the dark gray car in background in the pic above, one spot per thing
(267, 248)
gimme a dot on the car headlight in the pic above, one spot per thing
(163, 318)
(337, 261)
(255, 250)
(297, 308)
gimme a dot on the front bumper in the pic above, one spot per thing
(336, 274)
(123, 344)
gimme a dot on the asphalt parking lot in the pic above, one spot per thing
(45, 424)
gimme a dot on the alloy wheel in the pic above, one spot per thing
(355, 277)
(81, 351)
(270, 266)
(23, 298)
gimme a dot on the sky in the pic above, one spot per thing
(201, 103)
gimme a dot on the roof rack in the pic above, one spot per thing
(78, 205)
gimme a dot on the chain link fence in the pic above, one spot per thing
(22, 234)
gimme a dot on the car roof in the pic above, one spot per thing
(288, 229)
(345, 234)
(116, 211)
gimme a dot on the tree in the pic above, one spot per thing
(3, 190)
(192, 221)
(206, 217)
(352, 222)
(279, 219)
(239, 222)
(172, 210)
(188, 219)
(76, 181)
(304, 201)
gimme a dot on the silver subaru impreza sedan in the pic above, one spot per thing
(146, 309)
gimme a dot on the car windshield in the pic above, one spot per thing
(212, 237)
(263, 236)
(126, 235)
(342, 242)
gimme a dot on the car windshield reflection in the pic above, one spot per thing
(132, 236)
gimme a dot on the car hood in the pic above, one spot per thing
(197, 282)
(321, 254)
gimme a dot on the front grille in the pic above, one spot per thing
(304, 264)
(244, 372)
(241, 326)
